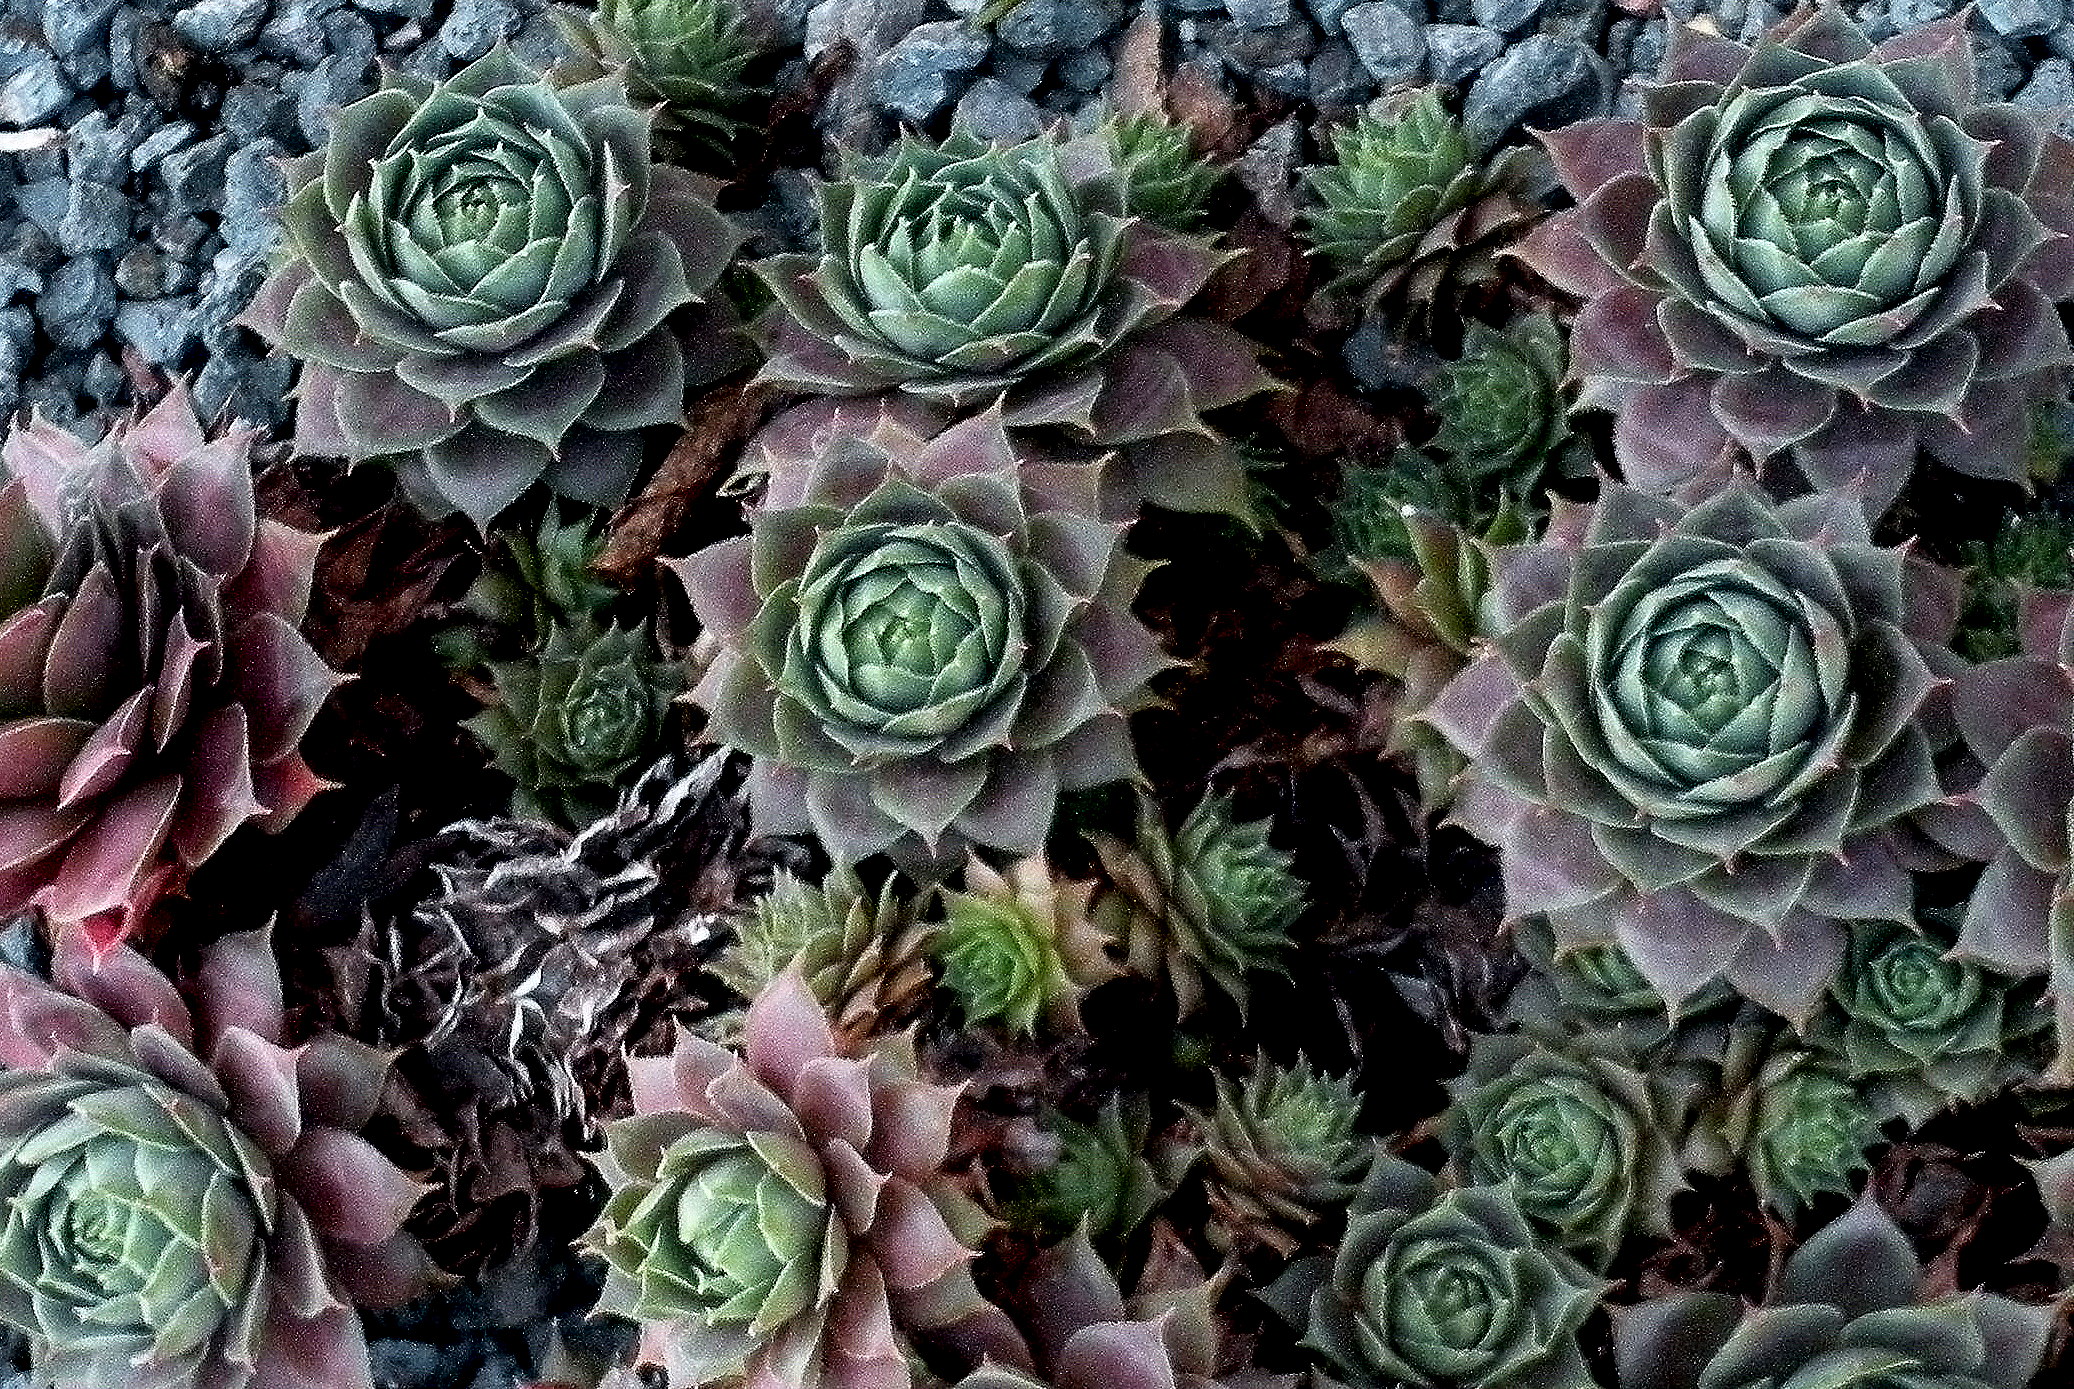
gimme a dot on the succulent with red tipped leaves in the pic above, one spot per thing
(778, 1217)
(1707, 733)
(1817, 246)
(483, 284)
(187, 1201)
(154, 684)
(968, 274)
(923, 639)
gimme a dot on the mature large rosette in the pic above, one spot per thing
(966, 274)
(778, 1218)
(153, 681)
(481, 282)
(1846, 1312)
(1700, 732)
(185, 1202)
(923, 639)
(1817, 245)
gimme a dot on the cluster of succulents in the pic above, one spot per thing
(953, 985)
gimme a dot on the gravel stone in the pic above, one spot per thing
(1539, 81)
(409, 9)
(78, 303)
(219, 26)
(1284, 79)
(17, 278)
(160, 329)
(163, 141)
(475, 26)
(43, 203)
(123, 27)
(2021, 19)
(35, 92)
(1506, 16)
(33, 248)
(179, 235)
(1085, 71)
(103, 380)
(252, 112)
(1268, 170)
(1912, 14)
(1054, 28)
(335, 82)
(1258, 14)
(141, 273)
(76, 26)
(925, 71)
(1996, 68)
(1456, 52)
(194, 176)
(2051, 88)
(253, 187)
(97, 218)
(993, 110)
(1389, 43)
(1328, 13)
(1337, 77)
(296, 32)
(1020, 74)
(253, 387)
(99, 149)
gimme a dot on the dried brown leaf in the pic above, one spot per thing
(715, 428)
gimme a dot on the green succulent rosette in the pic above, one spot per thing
(1504, 416)
(531, 583)
(1107, 1176)
(923, 640)
(1821, 247)
(1211, 901)
(1280, 1153)
(1581, 1133)
(1917, 1029)
(965, 274)
(1709, 732)
(687, 55)
(1440, 1290)
(577, 719)
(482, 281)
(1846, 1312)
(1598, 988)
(1165, 181)
(1408, 208)
(1019, 945)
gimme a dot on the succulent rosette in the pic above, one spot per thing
(1440, 1290)
(1209, 902)
(1019, 945)
(577, 718)
(1820, 246)
(1917, 1029)
(1165, 180)
(778, 1217)
(1280, 1152)
(154, 685)
(1504, 415)
(2017, 716)
(688, 55)
(1599, 987)
(187, 1201)
(1846, 1312)
(923, 640)
(1583, 1132)
(1702, 732)
(480, 285)
(968, 274)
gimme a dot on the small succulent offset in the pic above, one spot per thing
(1107, 1177)
(154, 685)
(1212, 900)
(1281, 1152)
(2031, 550)
(1917, 1029)
(1598, 987)
(1700, 732)
(968, 274)
(1165, 180)
(530, 583)
(1787, 1115)
(2017, 717)
(1818, 246)
(480, 284)
(687, 55)
(187, 1201)
(1438, 1290)
(922, 640)
(865, 958)
(1504, 417)
(778, 1217)
(1020, 945)
(1408, 208)
(1846, 1312)
(577, 718)
(1581, 1133)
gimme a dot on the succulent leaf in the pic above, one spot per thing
(1281, 1152)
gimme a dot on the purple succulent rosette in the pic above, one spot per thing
(969, 274)
(481, 285)
(1821, 247)
(2017, 717)
(154, 681)
(1706, 733)
(924, 639)
(185, 1201)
